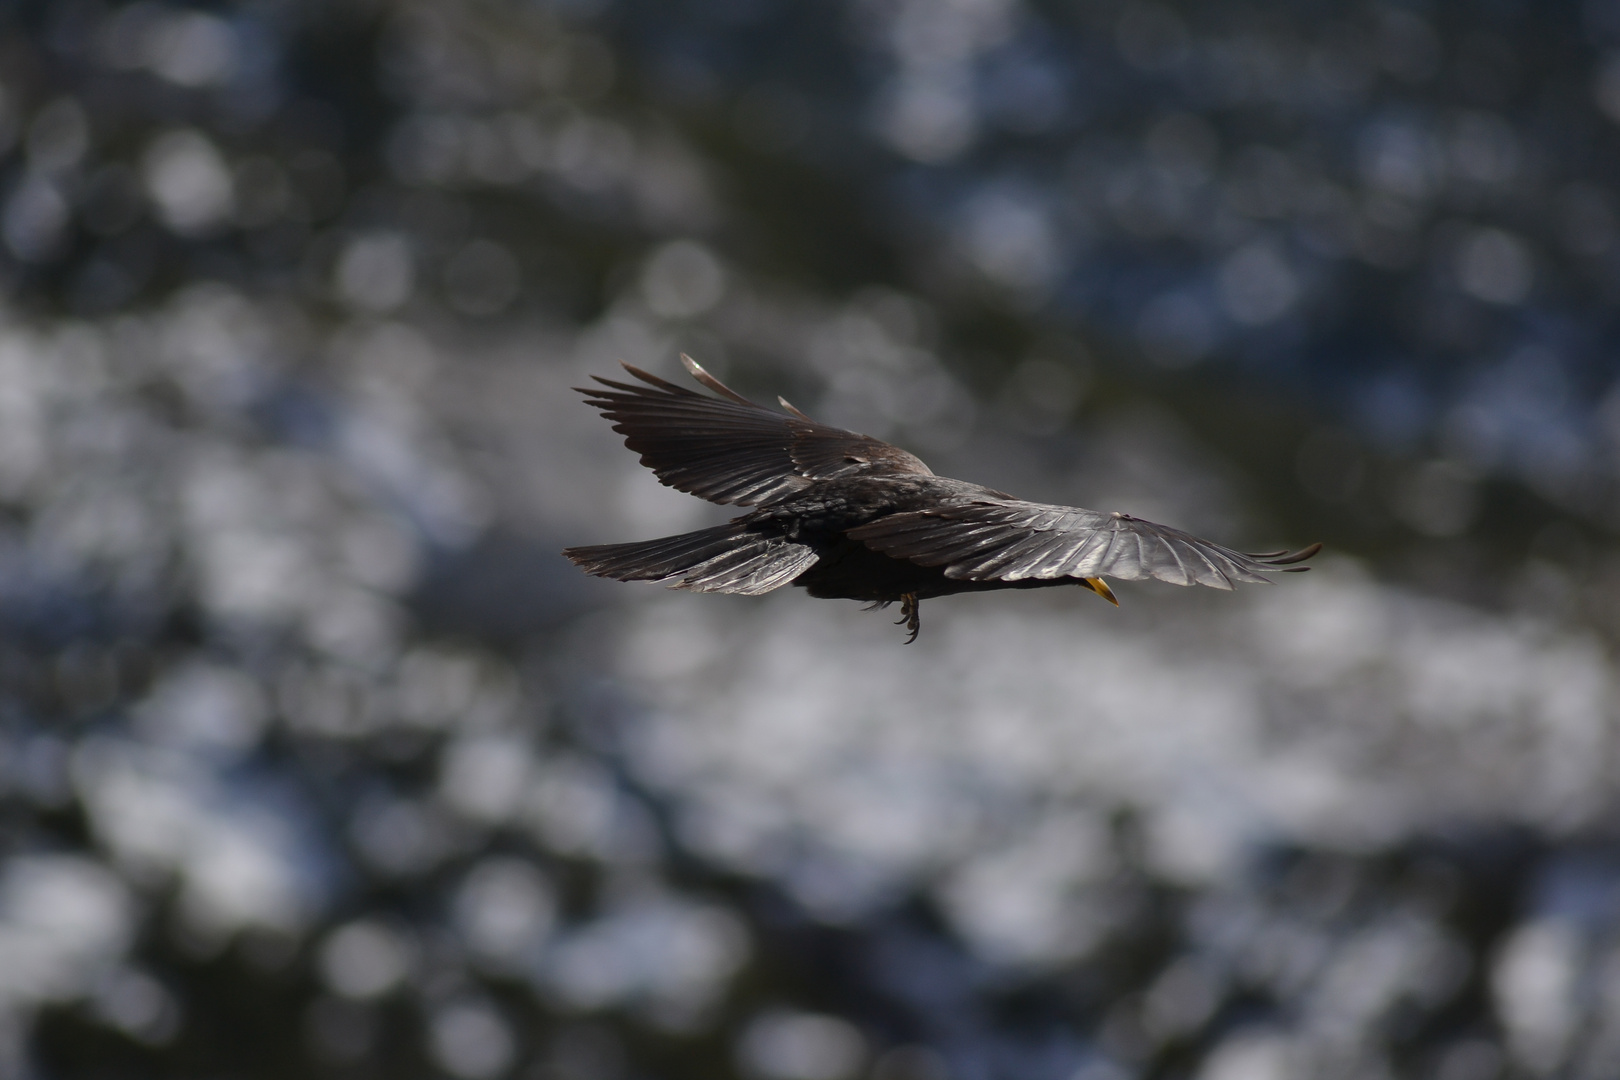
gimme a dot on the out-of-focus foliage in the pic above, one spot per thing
(316, 759)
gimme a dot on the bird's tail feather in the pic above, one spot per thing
(726, 558)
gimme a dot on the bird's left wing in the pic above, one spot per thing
(729, 450)
(1013, 540)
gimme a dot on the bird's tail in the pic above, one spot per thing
(727, 558)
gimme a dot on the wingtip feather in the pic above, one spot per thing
(1299, 556)
(649, 378)
(702, 376)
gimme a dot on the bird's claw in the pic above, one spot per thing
(910, 615)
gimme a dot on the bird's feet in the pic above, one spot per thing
(910, 615)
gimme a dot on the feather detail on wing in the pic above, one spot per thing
(729, 450)
(1015, 541)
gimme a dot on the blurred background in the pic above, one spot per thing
(316, 758)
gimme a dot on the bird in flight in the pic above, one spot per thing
(847, 516)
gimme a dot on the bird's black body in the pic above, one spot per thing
(821, 518)
(845, 569)
(846, 516)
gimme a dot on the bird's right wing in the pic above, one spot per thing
(1013, 540)
(729, 450)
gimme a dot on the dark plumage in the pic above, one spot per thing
(849, 516)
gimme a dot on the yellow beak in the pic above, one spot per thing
(1100, 587)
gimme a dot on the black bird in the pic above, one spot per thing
(849, 516)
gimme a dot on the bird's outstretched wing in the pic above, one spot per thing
(729, 450)
(1012, 540)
